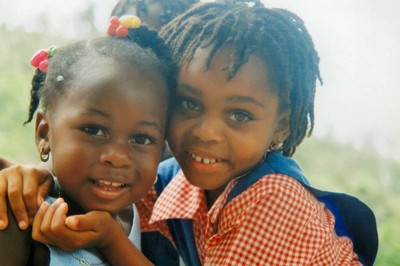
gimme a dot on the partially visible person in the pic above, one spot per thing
(154, 13)
(104, 159)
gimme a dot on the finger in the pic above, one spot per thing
(17, 203)
(37, 223)
(3, 201)
(30, 191)
(46, 226)
(80, 223)
(46, 184)
(60, 234)
(59, 216)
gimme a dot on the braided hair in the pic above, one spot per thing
(276, 36)
(142, 47)
(170, 8)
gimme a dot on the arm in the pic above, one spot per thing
(121, 251)
(15, 245)
(25, 187)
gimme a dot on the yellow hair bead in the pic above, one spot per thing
(130, 21)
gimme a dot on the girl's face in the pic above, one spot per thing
(106, 135)
(220, 129)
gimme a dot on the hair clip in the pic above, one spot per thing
(40, 58)
(119, 26)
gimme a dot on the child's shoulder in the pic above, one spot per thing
(283, 188)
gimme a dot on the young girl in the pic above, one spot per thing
(232, 195)
(104, 159)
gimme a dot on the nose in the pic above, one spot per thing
(208, 129)
(117, 155)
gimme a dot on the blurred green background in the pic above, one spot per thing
(328, 163)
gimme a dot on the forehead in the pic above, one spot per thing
(100, 70)
(109, 77)
(252, 73)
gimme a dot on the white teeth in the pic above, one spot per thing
(112, 184)
(204, 160)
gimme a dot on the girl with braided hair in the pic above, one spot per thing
(104, 160)
(245, 101)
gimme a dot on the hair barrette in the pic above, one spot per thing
(119, 26)
(40, 58)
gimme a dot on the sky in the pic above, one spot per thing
(358, 44)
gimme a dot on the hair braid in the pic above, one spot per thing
(37, 83)
(276, 36)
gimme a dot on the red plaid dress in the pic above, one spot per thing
(276, 221)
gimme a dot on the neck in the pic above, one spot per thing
(212, 195)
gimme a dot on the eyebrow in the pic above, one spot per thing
(245, 99)
(234, 99)
(148, 123)
(190, 88)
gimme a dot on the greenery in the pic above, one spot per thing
(328, 164)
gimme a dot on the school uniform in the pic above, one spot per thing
(270, 216)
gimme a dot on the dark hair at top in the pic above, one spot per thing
(277, 36)
(171, 8)
(142, 47)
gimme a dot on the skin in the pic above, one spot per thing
(93, 142)
(221, 129)
(103, 159)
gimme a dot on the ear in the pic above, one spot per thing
(42, 130)
(282, 129)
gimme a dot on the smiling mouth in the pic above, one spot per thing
(204, 160)
(108, 185)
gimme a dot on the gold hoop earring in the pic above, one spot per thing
(44, 156)
(275, 145)
(155, 181)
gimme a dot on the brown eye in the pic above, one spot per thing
(142, 140)
(190, 105)
(240, 116)
(94, 131)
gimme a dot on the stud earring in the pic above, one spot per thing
(44, 155)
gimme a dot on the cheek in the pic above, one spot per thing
(70, 159)
(253, 145)
(174, 129)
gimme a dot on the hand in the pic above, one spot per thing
(25, 187)
(52, 226)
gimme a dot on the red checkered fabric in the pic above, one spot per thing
(274, 222)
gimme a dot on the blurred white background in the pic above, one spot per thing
(358, 43)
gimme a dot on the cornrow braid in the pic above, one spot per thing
(142, 48)
(276, 36)
(37, 81)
